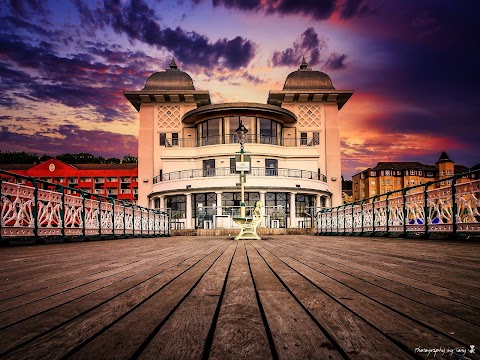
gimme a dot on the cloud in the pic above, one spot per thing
(318, 10)
(315, 9)
(336, 62)
(70, 139)
(357, 8)
(307, 45)
(91, 79)
(26, 8)
(138, 21)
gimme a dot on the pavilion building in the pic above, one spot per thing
(187, 149)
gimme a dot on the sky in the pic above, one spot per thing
(412, 64)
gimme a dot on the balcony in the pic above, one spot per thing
(226, 171)
(232, 139)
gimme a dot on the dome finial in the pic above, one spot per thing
(304, 64)
(173, 65)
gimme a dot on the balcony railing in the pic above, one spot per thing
(415, 211)
(226, 171)
(232, 139)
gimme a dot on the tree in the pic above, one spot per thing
(129, 159)
(18, 157)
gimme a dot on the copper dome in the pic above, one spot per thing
(307, 79)
(170, 79)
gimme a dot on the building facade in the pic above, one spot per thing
(188, 148)
(117, 181)
(393, 176)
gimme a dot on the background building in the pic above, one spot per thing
(187, 147)
(392, 176)
(118, 181)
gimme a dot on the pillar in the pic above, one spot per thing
(188, 200)
(292, 209)
(318, 201)
(162, 202)
(262, 197)
(219, 202)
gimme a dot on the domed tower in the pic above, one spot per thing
(165, 98)
(311, 96)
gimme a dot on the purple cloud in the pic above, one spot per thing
(336, 62)
(307, 45)
(138, 21)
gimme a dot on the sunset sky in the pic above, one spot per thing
(412, 64)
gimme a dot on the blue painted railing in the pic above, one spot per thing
(449, 206)
(35, 209)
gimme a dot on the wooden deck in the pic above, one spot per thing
(286, 297)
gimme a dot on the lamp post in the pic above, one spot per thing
(241, 132)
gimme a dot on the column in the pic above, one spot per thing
(318, 201)
(262, 199)
(219, 202)
(292, 210)
(162, 202)
(188, 200)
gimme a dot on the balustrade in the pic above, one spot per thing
(32, 208)
(419, 210)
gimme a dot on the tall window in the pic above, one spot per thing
(208, 132)
(271, 167)
(163, 139)
(304, 205)
(177, 204)
(209, 167)
(232, 166)
(174, 139)
(303, 138)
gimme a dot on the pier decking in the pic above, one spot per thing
(285, 297)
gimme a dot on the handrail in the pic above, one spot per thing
(33, 208)
(232, 139)
(445, 206)
(227, 171)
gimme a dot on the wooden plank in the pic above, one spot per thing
(294, 333)
(184, 334)
(421, 284)
(427, 298)
(240, 333)
(82, 328)
(392, 323)
(358, 339)
(124, 337)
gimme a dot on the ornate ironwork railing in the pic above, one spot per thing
(434, 207)
(32, 208)
(226, 171)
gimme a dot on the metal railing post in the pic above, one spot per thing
(99, 215)
(62, 210)
(454, 206)
(388, 213)
(1, 207)
(404, 195)
(426, 209)
(113, 216)
(363, 218)
(124, 219)
(35, 208)
(84, 225)
(373, 215)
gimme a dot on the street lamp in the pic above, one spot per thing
(241, 134)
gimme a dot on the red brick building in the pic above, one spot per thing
(119, 181)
